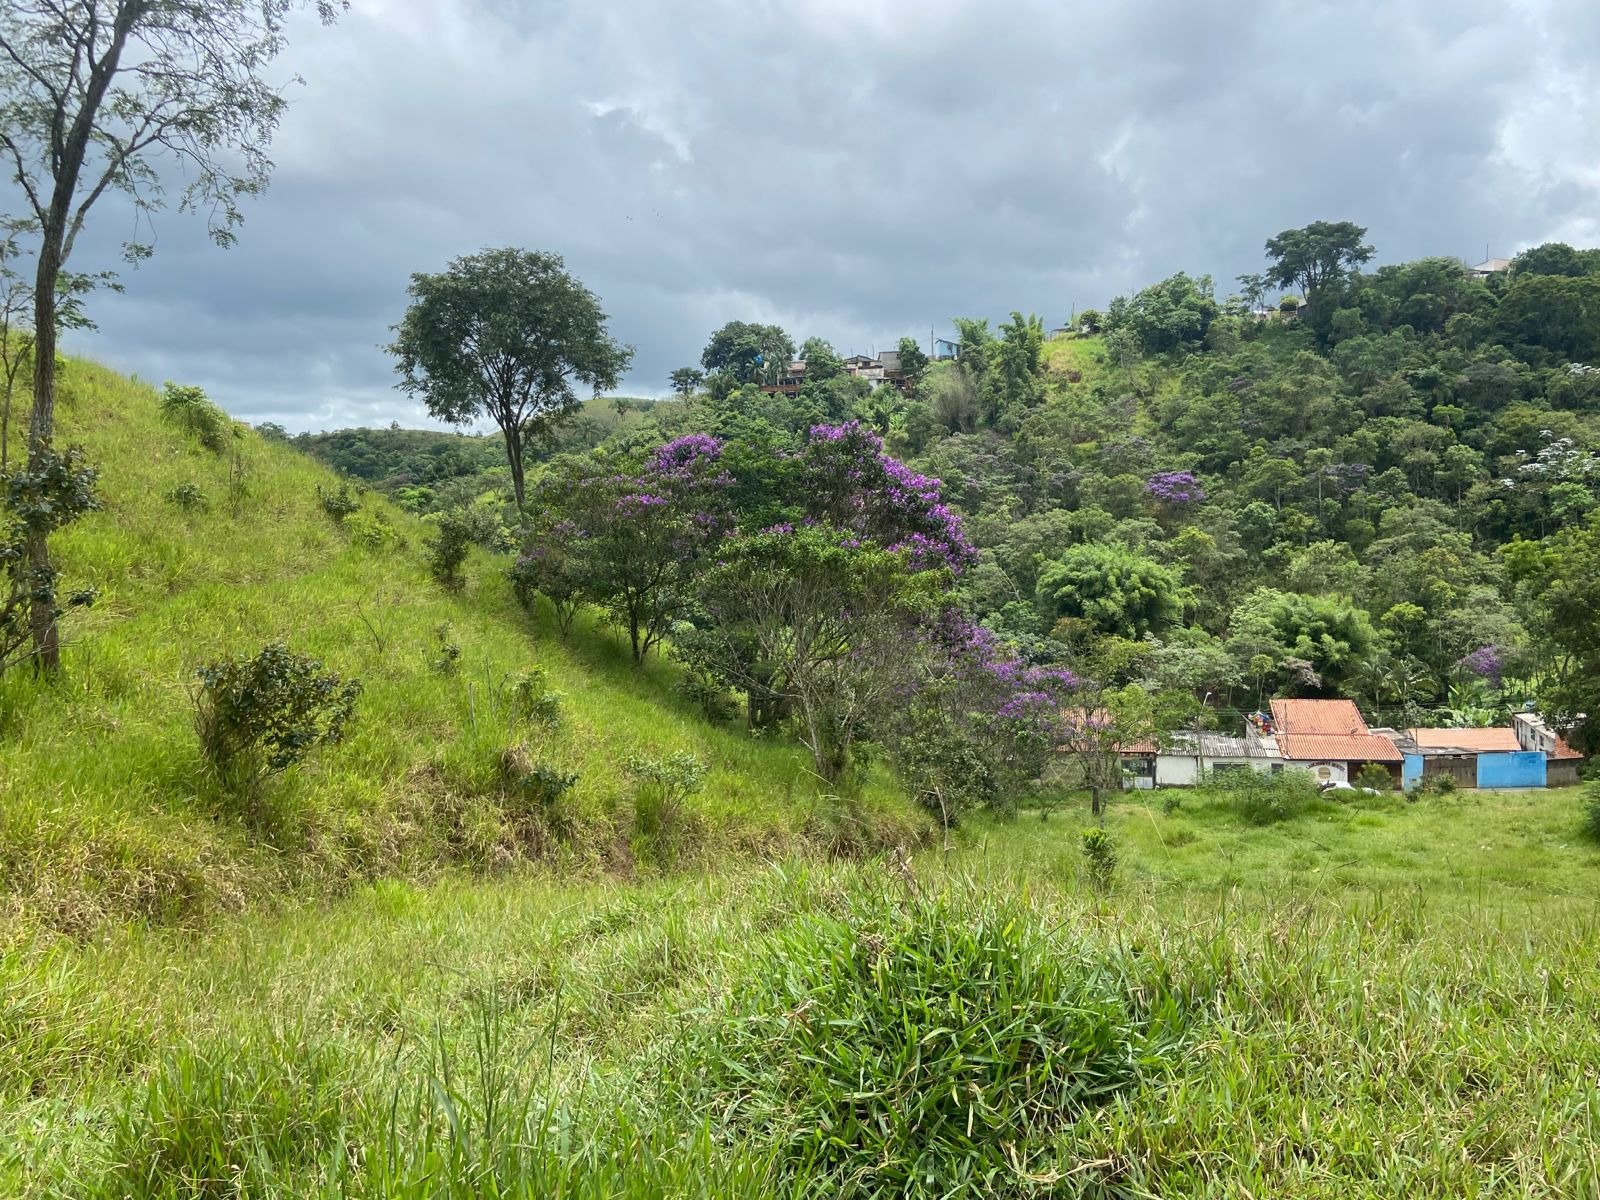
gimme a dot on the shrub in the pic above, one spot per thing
(449, 660)
(664, 785)
(713, 700)
(1371, 775)
(259, 714)
(1100, 856)
(189, 409)
(915, 1047)
(447, 551)
(1262, 799)
(338, 504)
(187, 497)
(533, 701)
(1591, 810)
(372, 531)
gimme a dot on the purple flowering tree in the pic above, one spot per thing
(1487, 663)
(1176, 488)
(628, 536)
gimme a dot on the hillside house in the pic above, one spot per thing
(1328, 738)
(790, 382)
(1490, 266)
(1186, 758)
(1562, 761)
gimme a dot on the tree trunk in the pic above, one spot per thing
(513, 437)
(41, 433)
(1097, 807)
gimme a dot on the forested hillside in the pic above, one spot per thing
(1378, 486)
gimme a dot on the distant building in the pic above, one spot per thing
(1490, 266)
(944, 350)
(1186, 758)
(790, 382)
(864, 366)
(1524, 754)
(1329, 738)
(1533, 734)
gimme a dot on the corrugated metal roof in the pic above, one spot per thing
(1481, 741)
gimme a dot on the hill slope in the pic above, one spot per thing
(108, 810)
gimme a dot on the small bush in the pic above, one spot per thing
(1171, 802)
(187, 497)
(338, 503)
(1591, 810)
(449, 660)
(258, 714)
(372, 531)
(916, 1047)
(664, 785)
(1371, 775)
(1100, 857)
(190, 410)
(447, 551)
(713, 699)
(532, 701)
(1261, 798)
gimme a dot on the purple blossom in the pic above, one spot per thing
(1175, 487)
(1486, 662)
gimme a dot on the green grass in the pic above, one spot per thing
(1418, 1023)
(107, 810)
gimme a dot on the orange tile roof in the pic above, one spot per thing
(1332, 730)
(1483, 741)
(1564, 751)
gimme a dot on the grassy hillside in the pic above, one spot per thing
(108, 811)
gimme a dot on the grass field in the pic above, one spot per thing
(1380, 999)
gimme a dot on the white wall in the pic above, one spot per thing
(1183, 770)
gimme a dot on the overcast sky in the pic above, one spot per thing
(854, 169)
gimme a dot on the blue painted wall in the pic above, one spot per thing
(1411, 772)
(1518, 769)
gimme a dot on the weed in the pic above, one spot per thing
(1100, 857)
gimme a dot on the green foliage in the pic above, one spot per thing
(661, 793)
(505, 334)
(1591, 811)
(188, 497)
(449, 650)
(259, 714)
(1099, 857)
(917, 1047)
(339, 502)
(686, 381)
(188, 409)
(1265, 798)
(1119, 591)
(1374, 776)
(51, 493)
(745, 352)
(448, 549)
(1174, 314)
(532, 699)
(1316, 256)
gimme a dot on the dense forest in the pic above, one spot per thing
(1377, 486)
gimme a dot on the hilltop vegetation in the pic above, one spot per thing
(199, 553)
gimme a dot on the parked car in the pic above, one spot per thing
(1334, 785)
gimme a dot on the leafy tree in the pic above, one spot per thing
(1331, 636)
(94, 96)
(818, 619)
(1555, 258)
(686, 380)
(913, 360)
(505, 334)
(1175, 314)
(1315, 256)
(1117, 590)
(746, 352)
(822, 361)
(1560, 580)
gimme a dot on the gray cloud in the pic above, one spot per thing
(858, 169)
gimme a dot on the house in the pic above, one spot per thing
(789, 383)
(944, 350)
(864, 366)
(1481, 758)
(1329, 739)
(1562, 761)
(1490, 266)
(1187, 757)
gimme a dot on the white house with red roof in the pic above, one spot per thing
(1329, 738)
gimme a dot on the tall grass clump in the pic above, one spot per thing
(1262, 798)
(1591, 810)
(913, 1046)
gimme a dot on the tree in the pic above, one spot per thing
(913, 361)
(505, 334)
(822, 361)
(16, 339)
(747, 352)
(1311, 258)
(686, 380)
(1119, 591)
(816, 618)
(94, 96)
(1555, 258)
